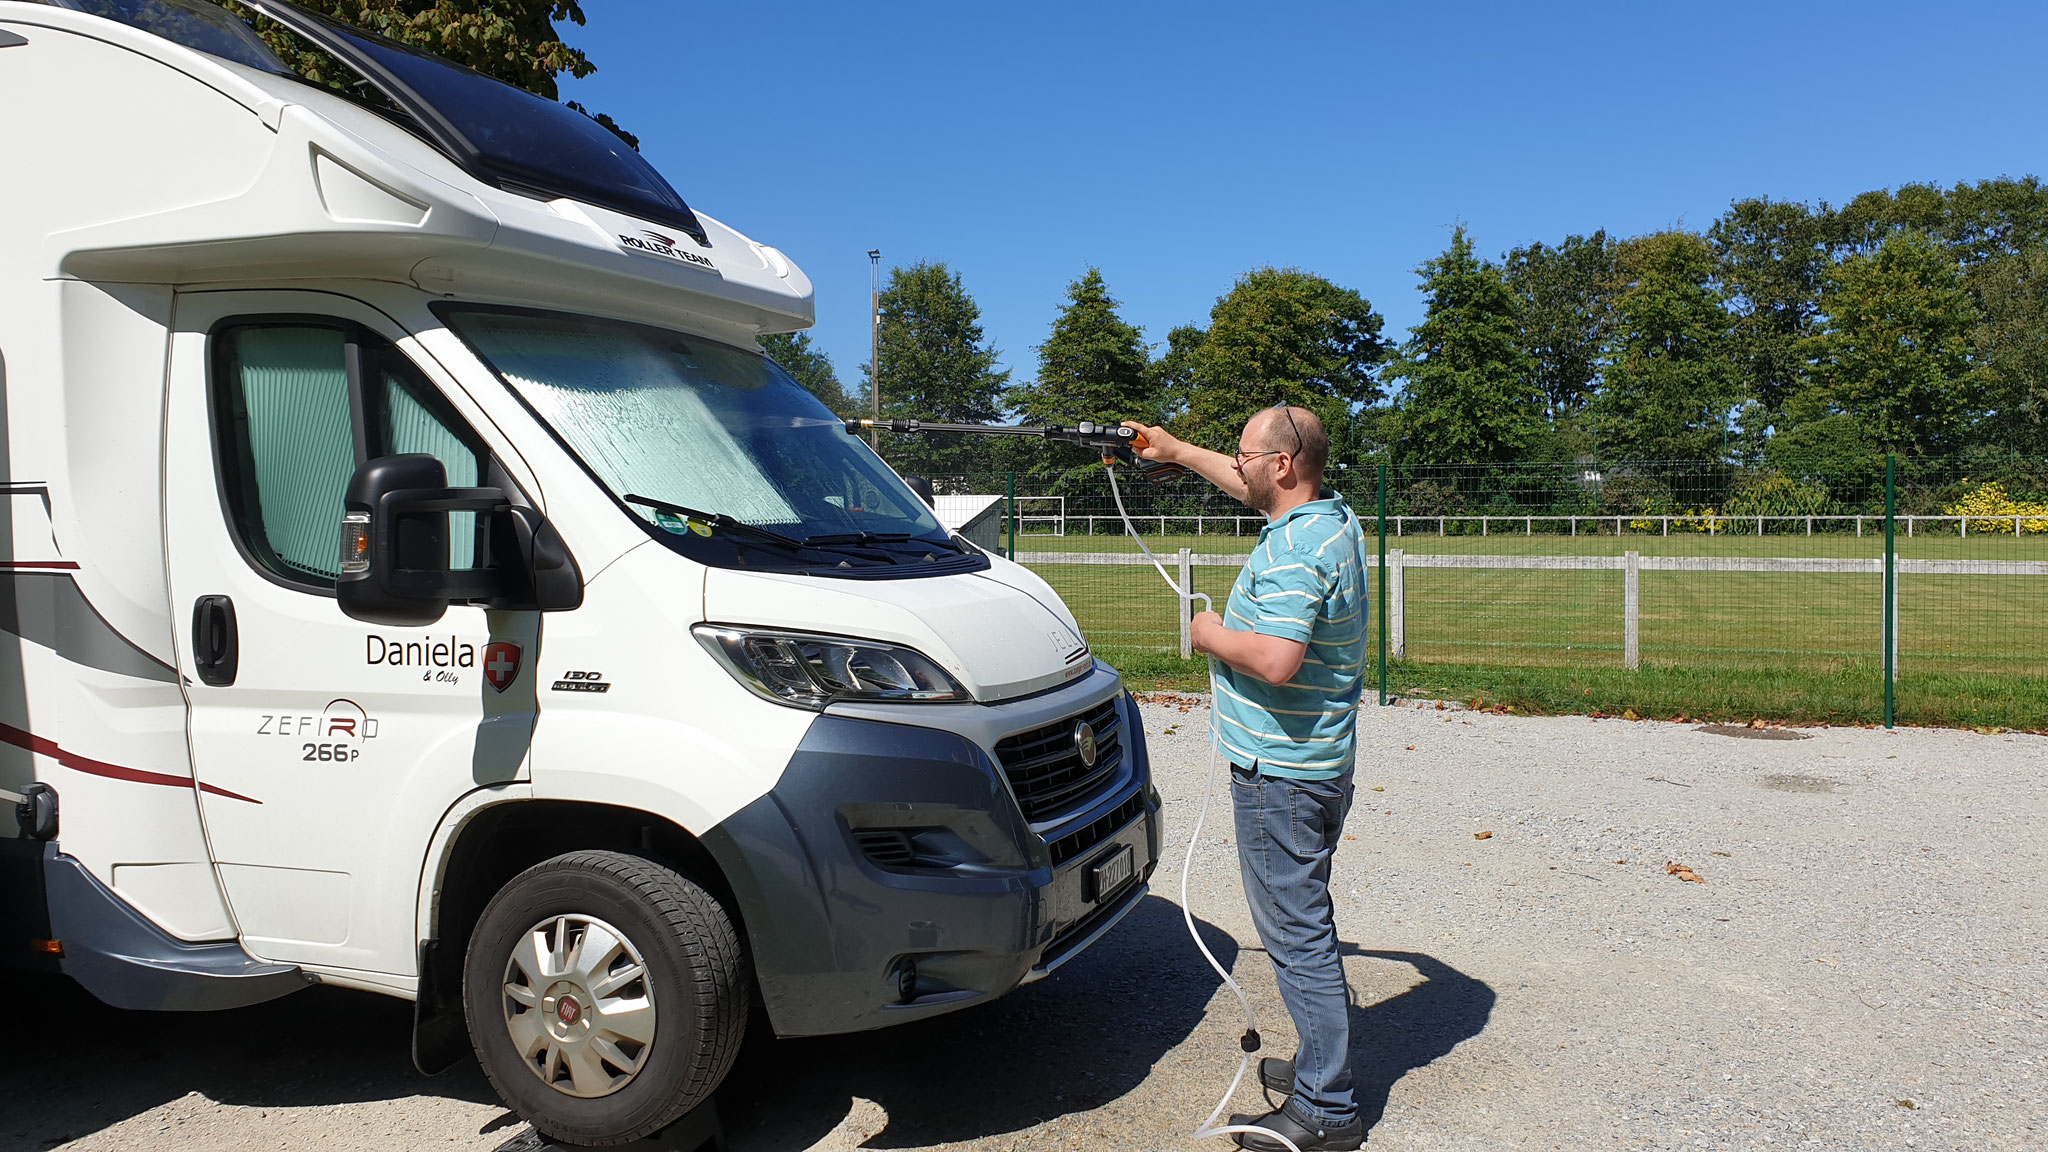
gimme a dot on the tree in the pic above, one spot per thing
(1091, 367)
(1283, 334)
(810, 368)
(1470, 392)
(1770, 257)
(1670, 389)
(1895, 354)
(2013, 342)
(1172, 375)
(510, 40)
(935, 365)
(1566, 306)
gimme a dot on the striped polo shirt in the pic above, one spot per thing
(1305, 581)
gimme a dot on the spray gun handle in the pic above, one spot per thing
(1154, 471)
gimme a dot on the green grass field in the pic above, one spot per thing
(1973, 650)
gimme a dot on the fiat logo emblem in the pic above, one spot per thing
(1084, 743)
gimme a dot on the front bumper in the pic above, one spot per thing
(890, 874)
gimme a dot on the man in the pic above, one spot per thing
(1291, 650)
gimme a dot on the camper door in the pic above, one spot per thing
(327, 749)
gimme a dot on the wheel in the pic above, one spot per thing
(606, 995)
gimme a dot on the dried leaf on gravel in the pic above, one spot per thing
(1682, 872)
(1379, 788)
(1908, 1104)
(1411, 747)
(1482, 835)
(1630, 714)
(1757, 723)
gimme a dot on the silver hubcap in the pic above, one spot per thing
(577, 1005)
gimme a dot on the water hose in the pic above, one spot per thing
(1250, 1041)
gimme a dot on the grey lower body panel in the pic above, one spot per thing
(124, 959)
(844, 938)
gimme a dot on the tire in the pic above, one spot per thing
(606, 995)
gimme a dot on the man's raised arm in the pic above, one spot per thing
(1214, 467)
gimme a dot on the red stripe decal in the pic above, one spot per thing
(77, 763)
(67, 565)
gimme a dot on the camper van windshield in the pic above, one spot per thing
(720, 449)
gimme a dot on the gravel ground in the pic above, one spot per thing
(1860, 967)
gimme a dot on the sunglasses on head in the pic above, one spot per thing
(1244, 456)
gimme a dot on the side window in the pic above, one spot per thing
(298, 405)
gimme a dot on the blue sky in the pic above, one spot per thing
(1177, 145)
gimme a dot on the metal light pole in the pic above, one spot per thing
(875, 342)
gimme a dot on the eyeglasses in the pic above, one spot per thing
(1244, 456)
(1282, 406)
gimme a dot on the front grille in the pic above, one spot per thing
(1075, 843)
(888, 847)
(1044, 766)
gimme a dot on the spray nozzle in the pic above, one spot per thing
(1250, 1041)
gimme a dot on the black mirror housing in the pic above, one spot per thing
(395, 553)
(374, 545)
(923, 488)
(547, 579)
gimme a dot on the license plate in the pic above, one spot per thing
(1107, 874)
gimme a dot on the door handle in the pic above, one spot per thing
(216, 647)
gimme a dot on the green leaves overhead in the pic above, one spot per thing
(1895, 356)
(936, 365)
(1092, 366)
(1670, 388)
(1471, 390)
(810, 368)
(1565, 308)
(1282, 334)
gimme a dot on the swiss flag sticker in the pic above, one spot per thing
(501, 664)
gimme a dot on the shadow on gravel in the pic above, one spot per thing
(1398, 1035)
(92, 1066)
(1087, 1035)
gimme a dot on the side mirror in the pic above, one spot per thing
(923, 488)
(395, 555)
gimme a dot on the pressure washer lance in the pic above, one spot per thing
(1113, 441)
(1121, 443)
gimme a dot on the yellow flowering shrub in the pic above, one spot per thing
(1699, 520)
(1998, 509)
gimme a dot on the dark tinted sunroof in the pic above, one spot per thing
(502, 135)
(199, 26)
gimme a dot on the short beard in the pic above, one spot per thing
(1259, 493)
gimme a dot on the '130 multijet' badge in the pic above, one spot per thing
(501, 664)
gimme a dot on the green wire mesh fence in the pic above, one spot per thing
(1698, 589)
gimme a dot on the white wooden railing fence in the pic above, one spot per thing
(1630, 564)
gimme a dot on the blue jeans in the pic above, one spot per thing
(1287, 831)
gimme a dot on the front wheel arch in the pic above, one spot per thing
(497, 843)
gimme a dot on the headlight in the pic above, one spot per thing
(813, 671)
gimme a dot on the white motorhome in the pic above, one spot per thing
(415, 580)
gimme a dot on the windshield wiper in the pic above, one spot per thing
(858, 539)
(720, 519)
